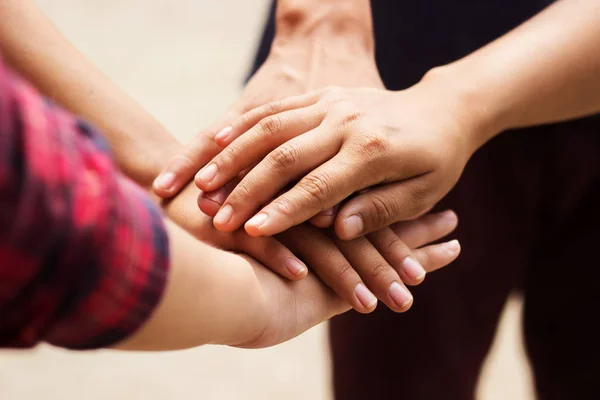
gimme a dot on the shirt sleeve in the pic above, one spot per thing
(83, 250)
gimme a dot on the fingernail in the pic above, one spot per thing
(218, 196)
(208, 173)
(295, 267)
(449, 215)
(165, 180)
(258, 220)
(224, 215)
(326, 213)
(364, 295)
(400, 295)
(353, 226)
(224, 133)
(453, 246)
(413, 269)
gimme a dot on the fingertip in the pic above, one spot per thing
(223, 137)
(221, 220)
(349, 227)
(454, 248)
(296, 268)
(208, 206)
(322, 221)
(165, 184)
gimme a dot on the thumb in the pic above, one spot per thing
(182, 168)
(381, 207)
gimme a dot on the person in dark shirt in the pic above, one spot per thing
(87, 257)
(527, 199)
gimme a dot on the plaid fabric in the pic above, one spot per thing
(83, 251)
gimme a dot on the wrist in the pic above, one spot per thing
(478, 113)
(342, 19)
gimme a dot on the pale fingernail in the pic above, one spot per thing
(165, 181)
(449, 215)
(453, 246)
(400, 295)
(208, 173)
(326, 213)
(218, 196)
(258, 220)
(364, 295)
(353, 226)
(295, 267)
(413, 269)
(224, 215)
(224, 133)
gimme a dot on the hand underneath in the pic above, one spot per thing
(380, 263)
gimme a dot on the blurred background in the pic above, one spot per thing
(185, 61)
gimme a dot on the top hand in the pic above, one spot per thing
(409, 147)
(297, 63)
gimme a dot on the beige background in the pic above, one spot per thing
(184, 60)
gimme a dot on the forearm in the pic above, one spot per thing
(212, 297)
(341, 17)
(546, 70)
(35, 48)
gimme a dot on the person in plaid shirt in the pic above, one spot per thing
(88, 260)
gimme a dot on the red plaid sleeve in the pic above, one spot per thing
(83, 251)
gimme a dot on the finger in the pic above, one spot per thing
(321, 189)
(379, 276)
(251, 118)
(210, 202)
(325, 219)
(254, 145)
(426, 229)
(323, 257)
(286, 163)
(383, 206)
(398, 255)
(273, 255)
(182, 168)
(438, 256)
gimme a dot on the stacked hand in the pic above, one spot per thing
(359, 271)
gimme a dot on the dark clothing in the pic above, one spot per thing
(529, 210)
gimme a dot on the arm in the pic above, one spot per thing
(141, 144)
(317, 43)
(410, 146)
(37, 50)
(84, 253)
(547, 70)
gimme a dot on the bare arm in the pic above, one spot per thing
(33, 46)
(547, 70)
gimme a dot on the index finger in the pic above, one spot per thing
(321, 189)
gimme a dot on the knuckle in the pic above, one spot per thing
(271, 248)
(382, 213)
(380, 271)
(284, 157)
(316, 187)
(271, 126)
(241, 191)
(343, 270)
(419, 193)
(373, 143)
(283, 207)
(395, 245)
(274, 107)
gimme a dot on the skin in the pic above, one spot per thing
(407, 149)
(376, 266)
(260, 308)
